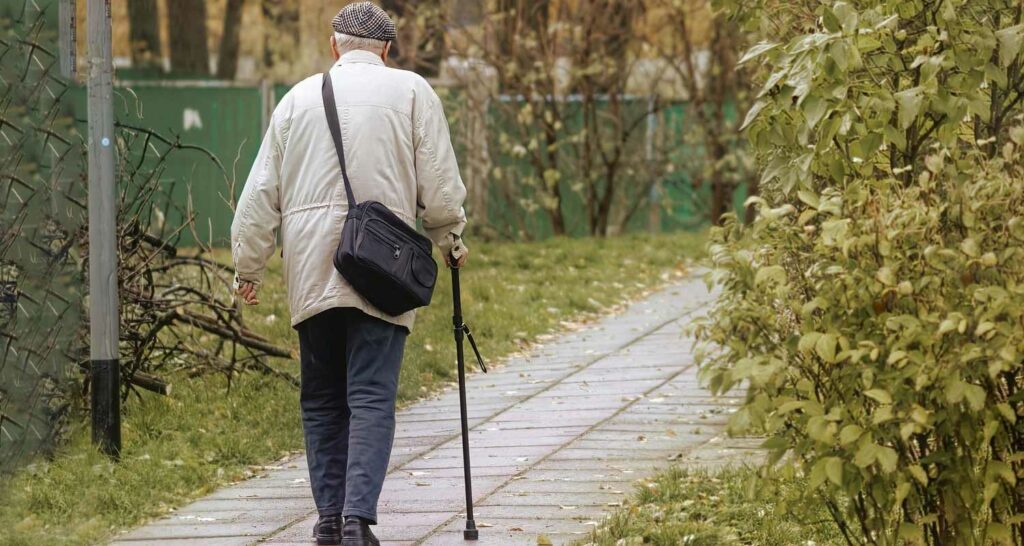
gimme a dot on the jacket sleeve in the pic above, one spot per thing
(440, 191)
(258, 213)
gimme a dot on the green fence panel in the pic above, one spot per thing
(226, 121)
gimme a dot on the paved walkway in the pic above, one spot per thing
(558, 438)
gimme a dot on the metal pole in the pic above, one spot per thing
(103, 305)
(471, 532)
(67, 39)
(654, 208)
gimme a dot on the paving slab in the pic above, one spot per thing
(559, 437)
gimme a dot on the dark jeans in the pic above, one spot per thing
(350, 365)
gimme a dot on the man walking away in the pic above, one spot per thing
(398, 152)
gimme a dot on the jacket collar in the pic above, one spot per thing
(360, 56)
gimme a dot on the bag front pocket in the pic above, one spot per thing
(424, 270)
(383, 252)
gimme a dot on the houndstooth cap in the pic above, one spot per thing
(365, 20)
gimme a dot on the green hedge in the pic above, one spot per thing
(875, 309)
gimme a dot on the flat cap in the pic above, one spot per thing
(366, 20)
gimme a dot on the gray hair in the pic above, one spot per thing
(346, 43)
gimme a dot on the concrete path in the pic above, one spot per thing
(559, 437)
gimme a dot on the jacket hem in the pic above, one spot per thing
(404, 320)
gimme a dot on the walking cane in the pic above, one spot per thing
(471, 532)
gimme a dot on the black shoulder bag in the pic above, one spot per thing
(383, 258)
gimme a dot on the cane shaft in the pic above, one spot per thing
(459, 329)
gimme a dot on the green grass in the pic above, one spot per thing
(731, 508)
(180, 447)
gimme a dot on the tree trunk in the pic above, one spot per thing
(227, 55)
(281, 34)
(396, 8)
(557, 221)
(190, 55)
(431, 40)
(718, 195)
(420, 43)
(520, 19)
(144, 33)
(723, 87)
(555, 190)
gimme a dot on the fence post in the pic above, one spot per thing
(654, 198)
(103, 282)
(267, 105)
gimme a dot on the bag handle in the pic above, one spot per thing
(331, 110)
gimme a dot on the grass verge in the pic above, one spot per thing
(730, 508)
(206, 434)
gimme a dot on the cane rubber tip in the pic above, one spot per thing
(471, 534)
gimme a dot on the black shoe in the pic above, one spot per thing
(327, 531)
(356, 532)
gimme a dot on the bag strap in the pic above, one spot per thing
(331, 110)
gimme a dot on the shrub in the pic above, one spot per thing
(875, 308)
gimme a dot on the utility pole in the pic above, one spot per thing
(103, 304)
(67, 39)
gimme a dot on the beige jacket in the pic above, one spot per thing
(398, 151)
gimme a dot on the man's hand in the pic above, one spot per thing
(247, 290)
(459, 252)
(459, 262)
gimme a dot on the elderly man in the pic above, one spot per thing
(398, 151)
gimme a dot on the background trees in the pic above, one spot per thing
(701, 46)
(594, 101)
(571, 116)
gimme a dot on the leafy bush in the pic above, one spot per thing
(695, 507)
(875, 308)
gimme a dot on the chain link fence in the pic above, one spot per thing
(42, 197)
